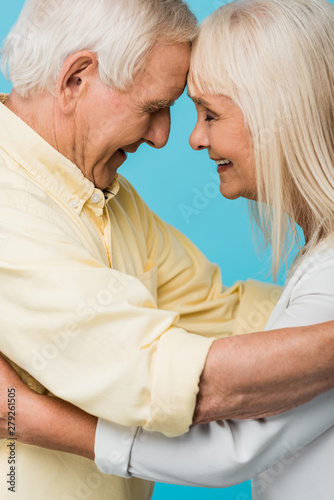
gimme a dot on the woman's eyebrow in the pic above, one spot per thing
(199, 101)
(202, 102)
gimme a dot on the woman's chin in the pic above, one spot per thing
(229, 194)
(234, 194)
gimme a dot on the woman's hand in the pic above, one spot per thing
(14, 400)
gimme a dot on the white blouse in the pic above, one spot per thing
(276, 451)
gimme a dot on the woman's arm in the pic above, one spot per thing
(44, 421)
(225, 453)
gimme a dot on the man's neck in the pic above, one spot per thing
(37, 112)
(64, 132)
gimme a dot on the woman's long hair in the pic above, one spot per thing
(275, 60)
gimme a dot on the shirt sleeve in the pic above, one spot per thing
(92, 335)
(221, 454)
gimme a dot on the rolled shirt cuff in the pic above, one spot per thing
(178, 366)
(179, 362)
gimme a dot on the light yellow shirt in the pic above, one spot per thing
(103, 304)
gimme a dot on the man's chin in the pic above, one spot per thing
(106, 177)
(123, 155)
(117, 160)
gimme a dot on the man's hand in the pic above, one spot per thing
(259, 375)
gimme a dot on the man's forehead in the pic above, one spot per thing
(164, 76)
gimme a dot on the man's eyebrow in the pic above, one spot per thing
(158, 104)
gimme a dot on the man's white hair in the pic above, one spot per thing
(275, 60)
(120, 32)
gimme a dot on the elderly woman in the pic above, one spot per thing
(262, 79)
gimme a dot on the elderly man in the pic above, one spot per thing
(104, 305)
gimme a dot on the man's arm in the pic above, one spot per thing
(90, 334)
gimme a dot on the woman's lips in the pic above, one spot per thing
(223, 168)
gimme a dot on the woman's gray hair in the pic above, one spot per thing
(121, 33)
(275, 60)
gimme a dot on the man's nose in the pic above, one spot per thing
(159, 130)
(198, 139)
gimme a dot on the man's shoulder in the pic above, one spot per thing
(23, 203)
(127, 187)
(13, 182)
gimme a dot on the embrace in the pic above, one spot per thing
(120, 344)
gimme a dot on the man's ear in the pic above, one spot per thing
(74, 79)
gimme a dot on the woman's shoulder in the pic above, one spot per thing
(318, 267)
(308, 297)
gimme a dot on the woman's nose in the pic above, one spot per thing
(198, 139)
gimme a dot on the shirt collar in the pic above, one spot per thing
(47, 166)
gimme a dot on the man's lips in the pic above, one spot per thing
(132, 149)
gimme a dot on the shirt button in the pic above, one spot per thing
(75, 203)
(95, 198)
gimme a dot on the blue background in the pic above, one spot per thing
(170, 181)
